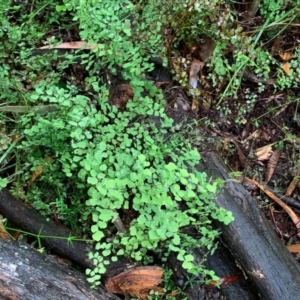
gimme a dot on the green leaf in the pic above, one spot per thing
(124, 240)
(103, 168)
(189, 257)
(142, 157)
(180, 256)
(153, 235)
(106, 215)
(97, 236)
(95, 217)
(147, 172)
(102, 225)
(184, 173)
(212, 188)
(183, 181)
(94, 228)
(161, 232)
(106, 252)
(188, 265)
(110, 183)
(176, 239)
(137, 256)
(173, 248)
(191, 194)
(142, 219)
(92, 180)
(171, 167)
(99, 155)
(88, 271)
(3, 182)
(116, 194)
(102, 189)
(175, 188)
(133, 230)
(120, 252)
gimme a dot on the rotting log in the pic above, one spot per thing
(29, 220)
(251, 240)
(233, 283)
(26, 274)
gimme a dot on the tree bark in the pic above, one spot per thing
(26, 274)
(235, 286)
(29, 220)
(251, 239)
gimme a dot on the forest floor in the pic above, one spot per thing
(244, 96)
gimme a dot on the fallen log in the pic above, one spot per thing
(31, 221)
(233, 284)
(28, 219)
(27, 274)
(251, 239)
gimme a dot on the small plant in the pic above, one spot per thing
(128, 165)
(110, 167)
(39, 237)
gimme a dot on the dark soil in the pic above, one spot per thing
(236, 141)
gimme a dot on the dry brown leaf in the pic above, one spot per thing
(298, 119)
(286, 56)
(62, 260)
(3, 232)
(195, 68)
(70, 45)
(282, 109)
(207, 48)
(264, 153)
(136, 282)
(225, 143)
(264, 136)
(224, 281)
(35, 174)
(293, 185)
(276, 45)
(272, 163)
(289, 211)
(242, 157)
(286, 68)
(246, 130)
(253, 135)
(273, 97)
(295, 248)
(180, 104)
(194, 104)
(120, 95)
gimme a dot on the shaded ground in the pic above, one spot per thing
(239, 125)
(272, 120)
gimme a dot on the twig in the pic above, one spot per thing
(290, 212)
